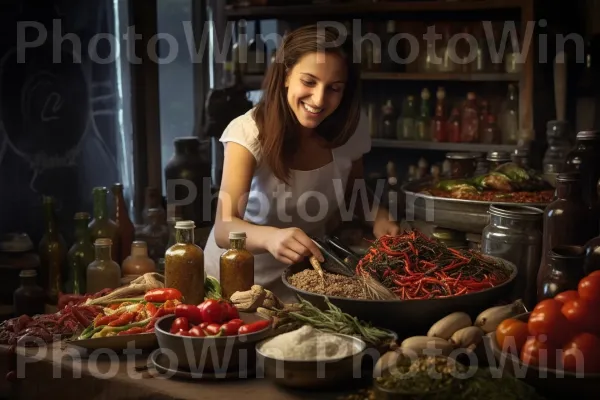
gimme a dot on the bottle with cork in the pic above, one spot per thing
(184, 264)
(236, 266)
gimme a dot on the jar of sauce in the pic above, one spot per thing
(236, 266)
(462, 165)
(29, 298)
(103, 272)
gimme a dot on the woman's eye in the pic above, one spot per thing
(336, 89)
(307, 83)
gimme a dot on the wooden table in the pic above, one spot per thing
(54, 370)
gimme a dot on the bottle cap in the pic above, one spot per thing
(185, 225)
(237, 235)
(28, 273)
(103, 242)
(139, 248)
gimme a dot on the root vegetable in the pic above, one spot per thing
(448, 325)
(489, 319)
(427, 344)
(466, 337)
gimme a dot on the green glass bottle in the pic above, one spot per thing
(53, 252)
(80, 255)
(102, 226)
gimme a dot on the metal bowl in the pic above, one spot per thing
(210, 354)
(547, 381)
(458, 214)
(302, 374)
(409, 317)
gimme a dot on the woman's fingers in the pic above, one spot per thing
(311, 246)
(291, 256)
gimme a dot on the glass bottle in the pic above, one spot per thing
(80, 255)
(559, 145)
(125, 226)
(155, 234)
(469, 120)
(567, 219)
(447, 64)
(592, 256)
(509, 117)
(53, 252)
(424, 120)
(153, 199)
(454, 131)
(563, 272)
(388, 119)
(102, 226)
(29, 298)
(236, 266)
(103, 272)
(406, 127)
(138, 263)
(184, 264)
(491, 133)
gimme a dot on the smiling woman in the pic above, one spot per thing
(292, 151)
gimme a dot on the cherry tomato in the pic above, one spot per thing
(204, 325)
(566, 296)
(538, 353)
(191, 312)
(213, 311)
(180, 324)
(212, 329)
(511, 335)
(582, 315)
(196, 332)
(594, 273)
(548, 303)
(229, 329)
(184, 332)
(231, 311)
(254, 327)
(582, 354)
(551, 322)
(589, 288)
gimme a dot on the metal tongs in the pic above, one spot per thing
(330, 248)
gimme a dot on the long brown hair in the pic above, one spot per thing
(277, 123)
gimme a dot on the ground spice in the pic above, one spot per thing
(333, 284)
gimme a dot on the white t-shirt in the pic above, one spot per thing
(307, 203)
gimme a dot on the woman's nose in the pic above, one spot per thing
(318, 96)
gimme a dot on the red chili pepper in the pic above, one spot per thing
(162, 294)
(124, 319)
(105, 320)
(254, 327)
(132, 331)
(80, 318)
(151, 309)
(212, 329)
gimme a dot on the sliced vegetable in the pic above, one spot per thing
(162, 295)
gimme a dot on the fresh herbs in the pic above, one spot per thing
(414, 266)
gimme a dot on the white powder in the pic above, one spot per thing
(308, 344)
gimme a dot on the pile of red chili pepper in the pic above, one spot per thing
(414, 266)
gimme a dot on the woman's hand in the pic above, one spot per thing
(383, 225)
(292, 245)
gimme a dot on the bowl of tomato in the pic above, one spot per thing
(556, 346)
(211, 338)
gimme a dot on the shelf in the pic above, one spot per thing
(442, 146)
(440, 76)
(362, 8)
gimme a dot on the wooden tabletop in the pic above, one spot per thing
(58, 369)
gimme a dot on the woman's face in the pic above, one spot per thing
(315, 87)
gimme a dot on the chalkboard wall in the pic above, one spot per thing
(60, 131)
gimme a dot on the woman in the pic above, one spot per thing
(290, 162)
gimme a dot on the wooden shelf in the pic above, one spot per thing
(441, 146)
(440, 76)
(367, 7)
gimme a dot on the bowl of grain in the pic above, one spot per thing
(310, 359)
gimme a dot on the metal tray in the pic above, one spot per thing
(458, 214)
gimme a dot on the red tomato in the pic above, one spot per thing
(229, 329)
(566, 296)
(548, 303)
(213, 311)
(583, 315)
(213, 329)
(594, 273)
(589, 288)
(551, 322)
(197, 332)
(231, 311)
(511, 335)
(192, 313)
(180, 324)
(204, 325)
(582, 354)
(540, 354)
(184, 333)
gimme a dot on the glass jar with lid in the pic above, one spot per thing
(103, 272)
(559, 145)
(29, 298)
(236, 266)
(521, 157)
(497, 158)
(462, 165)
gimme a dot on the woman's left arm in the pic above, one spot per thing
(373, 213)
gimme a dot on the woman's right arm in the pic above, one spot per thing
(287, 245)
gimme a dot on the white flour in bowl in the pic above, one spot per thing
(308, 344)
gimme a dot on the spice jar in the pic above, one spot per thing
(236, 266)
(462, 165)
(138, 263)
(515, 234)
(103, 272)
(29, 298)
(563, 272)
(567, 220)
(184, 264)
(497, 158)
(521, 157)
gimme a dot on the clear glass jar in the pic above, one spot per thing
(236, 266)
(559, 145)
(103, 272)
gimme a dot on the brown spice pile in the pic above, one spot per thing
(334, 285)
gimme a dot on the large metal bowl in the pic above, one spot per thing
(409, 317)
(458, 214)
(302, 374)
